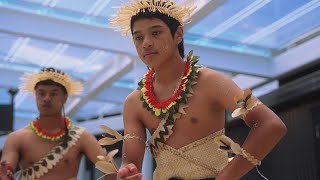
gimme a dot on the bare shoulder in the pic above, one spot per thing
(86, 135)
(133, 97)
(19, 135)
(215, 81)
(219, 87)
(213, 76)
(87, 139)
(14, 140)
(85, 132)
(89, 146)
(133, 101)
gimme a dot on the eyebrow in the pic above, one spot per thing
(53, 90)
(150, 28)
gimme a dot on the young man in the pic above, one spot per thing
(182, 105)
(50, 147)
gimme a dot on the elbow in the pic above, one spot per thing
(279, 127)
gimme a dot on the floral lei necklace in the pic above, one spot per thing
(35, 127)
(182, 92)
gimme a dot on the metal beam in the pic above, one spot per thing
(296, 57)
(233, 62)
(100, 81)
(69, 32)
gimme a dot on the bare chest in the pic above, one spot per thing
(34, 148)
(200, 119)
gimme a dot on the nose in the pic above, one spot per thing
(47, 98)
(147, 43)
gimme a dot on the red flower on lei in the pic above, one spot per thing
(161, 108)
(47, 136)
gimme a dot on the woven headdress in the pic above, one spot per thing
(123, 16)
(31, 79)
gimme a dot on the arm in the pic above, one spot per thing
(265, 126)
(10, 155)
(133, 149)
(90, 146)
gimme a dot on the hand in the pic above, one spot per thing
(3, 170)
(129, 172)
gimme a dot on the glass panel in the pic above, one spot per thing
(59, 13)
(227, 45)
(287, 34)
(266, 15)
(75, 5)
(32, 54)
(6, 45)
(258, 27)
(218, 16)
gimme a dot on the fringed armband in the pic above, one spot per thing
(245, 104)
(229, 145)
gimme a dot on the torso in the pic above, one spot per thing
(33, 148)
(201, 119)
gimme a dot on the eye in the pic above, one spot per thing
(41, 94)
(156, 33)
(53, 94)
(138, 38)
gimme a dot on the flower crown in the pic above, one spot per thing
(123, 17)
(31, 79)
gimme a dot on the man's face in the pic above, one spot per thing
(50, 99)
(153, 41)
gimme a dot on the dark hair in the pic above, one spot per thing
(51, 82)
(172, 23)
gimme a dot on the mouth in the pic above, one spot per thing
(46, 106)
(149, 54)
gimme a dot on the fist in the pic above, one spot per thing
(129, 172)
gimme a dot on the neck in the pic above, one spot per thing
(51, 122)
(170, 71)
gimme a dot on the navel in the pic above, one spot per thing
(66, 161)
(194, 120)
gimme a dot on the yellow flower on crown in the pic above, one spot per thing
(124, 14)
(29, 80)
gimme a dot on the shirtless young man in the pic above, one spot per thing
(50, 147)
(182, 105)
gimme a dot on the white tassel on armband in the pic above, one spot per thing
(245, 104)
(229, 145)
(106, 163)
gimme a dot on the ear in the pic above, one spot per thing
(64, 100)
(179, 35)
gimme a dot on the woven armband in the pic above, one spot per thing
(245, 104)
(229, 145)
